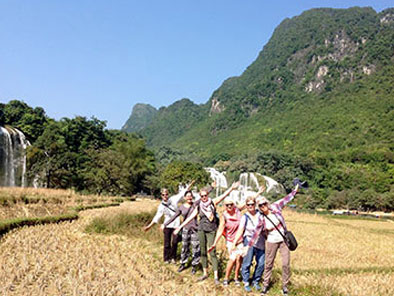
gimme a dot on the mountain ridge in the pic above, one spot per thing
(307, 55)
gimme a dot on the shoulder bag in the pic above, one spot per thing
(288, 238)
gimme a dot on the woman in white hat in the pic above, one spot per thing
(272, 223)
(255, 250)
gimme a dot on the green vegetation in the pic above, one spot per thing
(141, 116)
(21, 116)
(183, 172)
(8, 225)
(81, 154)
(125, 224)
(172, 122)
(317, 103)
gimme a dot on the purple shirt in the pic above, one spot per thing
(185, 212)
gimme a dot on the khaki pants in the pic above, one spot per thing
(270, 254)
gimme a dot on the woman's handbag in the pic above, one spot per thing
(288, 238)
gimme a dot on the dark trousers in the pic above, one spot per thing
(170, 244)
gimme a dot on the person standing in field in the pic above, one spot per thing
(272, 216)
(229, 223)
(256, 249)
(205, 207)
(167, 207)
(189, 233)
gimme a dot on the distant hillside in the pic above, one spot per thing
(318, 102)
(308, 57)
(140, 117)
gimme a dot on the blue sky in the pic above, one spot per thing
(99, 58)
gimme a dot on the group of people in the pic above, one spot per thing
(255, 235)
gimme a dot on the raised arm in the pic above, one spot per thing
(218, 199)
(191, 217)
(282, 202)
(179, 196)
(219, 232)
(261, 190)
(189, 187)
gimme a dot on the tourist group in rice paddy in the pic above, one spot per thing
(254, 231)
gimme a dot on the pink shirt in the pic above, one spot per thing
(231, 224)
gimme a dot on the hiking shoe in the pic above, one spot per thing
(217, 282)
(202, 278)
(256, 286)
(225, 283)
(285, 291)
(173, 261)
(167, 262)
(194, 270)
(248, 288)
(181, 268)
(265, 291)
(237, 283)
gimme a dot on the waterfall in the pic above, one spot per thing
(249, 184)
(220, 180)
(13, 146)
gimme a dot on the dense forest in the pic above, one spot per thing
(316, 103)
(82, 154)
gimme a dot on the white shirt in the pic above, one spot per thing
(168, 209)
(273, 234)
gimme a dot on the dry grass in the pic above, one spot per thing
(354, 257)
(16, 202)
(351, 257)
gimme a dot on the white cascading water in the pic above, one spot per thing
(220, 180)
(24, 144)
(13, 146)
(249, 184)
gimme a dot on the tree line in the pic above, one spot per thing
(81, 154)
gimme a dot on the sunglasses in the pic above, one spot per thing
(229, 205)
(164, 194)
(250, 204)
(263, 204)
(203, 195)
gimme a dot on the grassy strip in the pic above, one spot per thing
(329, 214)
(8, 225)
(125, 224)
(97, 206)
(343, 271)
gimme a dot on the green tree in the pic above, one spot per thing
(182, 172)
(30, 121)
(122, 169)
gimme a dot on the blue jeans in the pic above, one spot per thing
(259, 256)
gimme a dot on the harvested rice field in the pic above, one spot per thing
(18, 202)
(334, 257)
